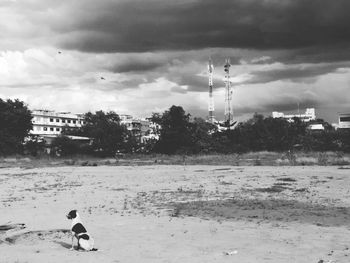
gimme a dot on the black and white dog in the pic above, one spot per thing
(79, 232)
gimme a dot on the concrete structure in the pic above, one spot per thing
(344, 121)
(316, 127)
(308, 116)
(153, 131)
(140, 128)
(50, 124)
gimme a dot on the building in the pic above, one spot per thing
(316, 127)
(153, 131)
(142, 129)
(309, 115)
(344, 121)
(49, 124)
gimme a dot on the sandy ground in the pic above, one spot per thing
(178, 213)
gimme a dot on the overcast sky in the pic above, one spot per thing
(142, 56)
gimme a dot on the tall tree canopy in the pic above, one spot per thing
(175, 133)
(15, 124)
(105, 129)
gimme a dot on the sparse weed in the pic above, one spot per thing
(290, 155)
(306, 161)
(282, 161)
(322, 158)
(257, 162)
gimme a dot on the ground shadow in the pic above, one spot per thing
(38, 235)
(63, 244)
(264, 210)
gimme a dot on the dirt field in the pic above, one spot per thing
(177, 213)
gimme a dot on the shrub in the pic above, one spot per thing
(64, 146)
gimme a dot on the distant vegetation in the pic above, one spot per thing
(15, 124)
(179, 134)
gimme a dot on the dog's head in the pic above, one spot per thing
(72, 214)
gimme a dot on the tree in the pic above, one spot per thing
(64, 146)
(344, 139)
(260, 134)
(15, 124)
(107, 133)
(202, 138)
(175, 133)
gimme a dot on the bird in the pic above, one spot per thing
(59, 52)
(102, 78)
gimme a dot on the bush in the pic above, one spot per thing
(34, 145)
(64, 146)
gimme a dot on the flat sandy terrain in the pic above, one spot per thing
(164, 213)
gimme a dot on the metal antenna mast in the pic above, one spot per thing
(211, 100)
(228, 93)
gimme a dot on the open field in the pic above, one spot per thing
(177, 213)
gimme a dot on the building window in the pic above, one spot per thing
(63, 121)
(68, 121)
(51, 129)
(57, 129)
(45, 128)
(74, 122)
(344, 119)
(51, 119)
(57, 120)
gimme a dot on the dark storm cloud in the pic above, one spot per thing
(296, 73)
(33, 85)
(138, 62)
(334, 53)
(131, 66)
(132, 83)
(179, 90)
(306, 73)
(135, 25)
(282, 52)
(194, 83)
(285, 103)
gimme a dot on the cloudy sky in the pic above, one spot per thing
(142, 56)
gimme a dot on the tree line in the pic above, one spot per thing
(178, 133)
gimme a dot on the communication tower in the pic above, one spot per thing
(211, 100)
(228, 94)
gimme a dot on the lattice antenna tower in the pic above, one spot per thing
(211, 100)
(228, 93)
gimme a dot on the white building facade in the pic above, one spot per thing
(344, 121)
(309, 115)
(50, 123)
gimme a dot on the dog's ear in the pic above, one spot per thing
(72, 214)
